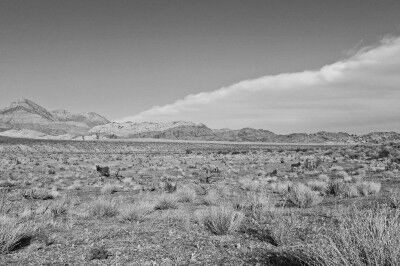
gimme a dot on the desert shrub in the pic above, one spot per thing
(369, 237)
(361, 172)
(169, 186)
(165, 202)
(103, 171)
(383, 153)
(278, 227)
(135, 212)
(211, 198)
(76, 185)
(14, 234)
(6, 184)
(368, 188)
(248, 183)
(98, 253)
(302, 196)
(103, 208)
(109, 189)
(59, 209)
(344, 175)
(323, 177)
(339, 188)
(254, 204)
(51, 172)
(39, 193)
(317, 185)
(337, 168)
(280, 187)
(358, 178)
(5, 204)
(349, 190)
(186, 194)
(393, 198)
(220, 220)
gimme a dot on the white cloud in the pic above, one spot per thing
(359, 94)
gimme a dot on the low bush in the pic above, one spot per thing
(317, 185)
(280, 187)
(302, 196)
(39, 193)
(165, 202)
(324, 177)
(109, 189)
(369, 237)
(211, 198)
(339, 188)
(368, 188)
(103, 208)
(186, 194)
(220, 220)
(98, 253)
(254, 204)
(135, 212)
(59, 209)
(14, 234)
(394, 199)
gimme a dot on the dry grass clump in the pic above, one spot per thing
(248, 183)
(280, 187)
(186, 194)
(108, 189)
(5, 204)
(349, 190)
(369, 237)
(254, 204)
(339, 188)
(14, 234)
(7, 184)
(103, 208)
(394, 199)
(98, 253)
(344, 175)
(59, 208)
(169, 186)
(211, 198)
(323, 177)
(369, 188)
(317, 185)
(135, 212)
(39, 193)
(288, 229)
(76, 185)
(302, 196)
(165, 202)
(220, 220)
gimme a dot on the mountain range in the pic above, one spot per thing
(24, 118)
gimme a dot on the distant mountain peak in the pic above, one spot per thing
(29, 106)
(26, 114)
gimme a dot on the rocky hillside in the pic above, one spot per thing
(132, 129)
(190, 131)
(90, 119)
(27, 115)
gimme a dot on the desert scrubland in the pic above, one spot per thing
(144, 203)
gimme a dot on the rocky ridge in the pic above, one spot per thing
(24, 114)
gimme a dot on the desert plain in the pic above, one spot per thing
(182, 203)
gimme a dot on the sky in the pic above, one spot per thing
(285, 66)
